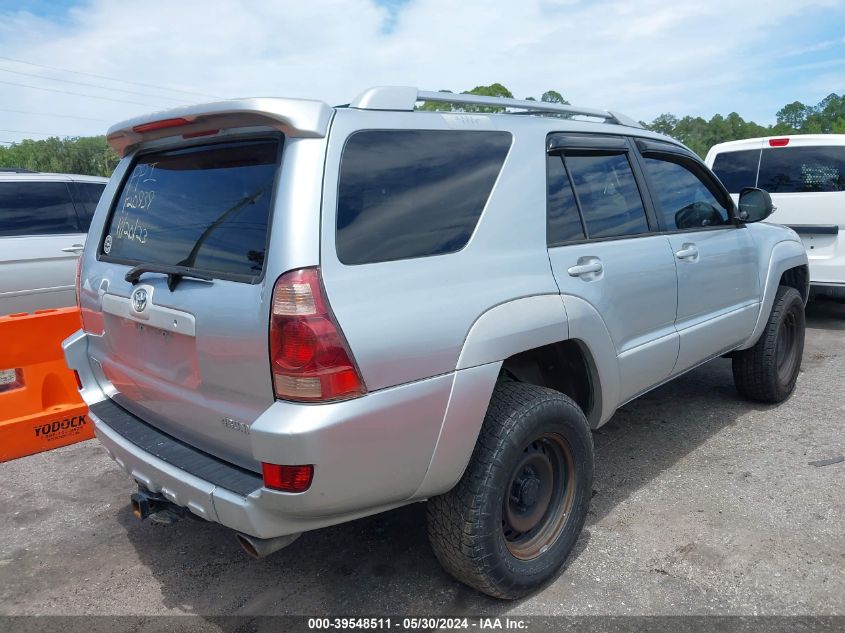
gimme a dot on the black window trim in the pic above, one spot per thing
(680, 156)
(416, 129)
(255, 136)
(580, 145)
(70, 198)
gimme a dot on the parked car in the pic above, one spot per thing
(806, 176)
(43, 222)
(297, 315)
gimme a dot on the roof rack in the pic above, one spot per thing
(16, 170)
(404, 98)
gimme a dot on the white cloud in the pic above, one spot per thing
(642, 57)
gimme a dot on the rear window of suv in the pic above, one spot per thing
(204, 207)
(802, 169)
(414, 193)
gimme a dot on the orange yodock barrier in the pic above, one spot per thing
(40, 407)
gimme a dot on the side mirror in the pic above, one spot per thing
(754, 204)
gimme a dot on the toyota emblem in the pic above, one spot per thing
(139, 299)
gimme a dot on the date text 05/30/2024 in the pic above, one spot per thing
(421, 623)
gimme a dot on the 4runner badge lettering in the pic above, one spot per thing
(235, 425)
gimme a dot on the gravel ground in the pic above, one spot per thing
(703, 504)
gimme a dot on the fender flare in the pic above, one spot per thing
(784, 255)
(499, 333)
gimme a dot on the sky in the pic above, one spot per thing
(640, 57)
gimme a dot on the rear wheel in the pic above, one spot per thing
(768, 371)
(510, 523)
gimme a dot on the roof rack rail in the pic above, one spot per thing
(404, 98)
(16, 170)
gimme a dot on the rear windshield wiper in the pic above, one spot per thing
(174, 274)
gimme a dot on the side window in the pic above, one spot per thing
(414, 193)
(685, 202)
(36, 208)
(86, 195)
(608, 194)
(737, 170)
(563, 222)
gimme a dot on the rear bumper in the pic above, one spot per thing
(369, 454)
(828, 289)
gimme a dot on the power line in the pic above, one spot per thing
(49, 114)
(90, 85)
(134, 83)
(37, 133)
(79, 94)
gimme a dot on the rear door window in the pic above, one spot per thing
(737, 170)
(608, 194)
(86, 195)
(36, 208)
(205, 207)
(802, 169)
(414, 193)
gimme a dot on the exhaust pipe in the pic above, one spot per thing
(262, 547)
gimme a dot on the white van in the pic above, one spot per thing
(806, 176)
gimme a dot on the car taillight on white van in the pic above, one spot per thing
(310, 359)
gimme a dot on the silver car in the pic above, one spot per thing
(296, 315)
(44, 219)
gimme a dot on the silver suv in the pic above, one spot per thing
(296, 315)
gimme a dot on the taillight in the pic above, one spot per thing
(287, 478)
(310, 359)
(778, 142)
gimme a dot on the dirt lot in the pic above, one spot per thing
(703, 504)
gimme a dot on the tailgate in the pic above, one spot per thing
(189, 354)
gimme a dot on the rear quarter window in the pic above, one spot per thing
(36, 208)
(205, 207)
(86, 195)
(737, 170)
(802, 169)
(414, 193)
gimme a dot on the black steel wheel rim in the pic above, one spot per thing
(539, 496)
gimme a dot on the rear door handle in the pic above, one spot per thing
(585, 269)
(73, 248)
(688, 251)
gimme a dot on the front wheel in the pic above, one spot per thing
(513, 518)
(768, 371)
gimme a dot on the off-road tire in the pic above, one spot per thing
(466, 526)
(768, 371)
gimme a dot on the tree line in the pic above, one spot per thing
(92, 155)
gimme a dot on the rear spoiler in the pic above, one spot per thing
(293, 117)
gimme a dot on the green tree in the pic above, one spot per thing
(82, 155)
(793, 116)
(553, 96)
(663, 124)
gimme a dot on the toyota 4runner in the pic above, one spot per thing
(295, 315)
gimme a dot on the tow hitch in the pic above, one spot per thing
(153, 506)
